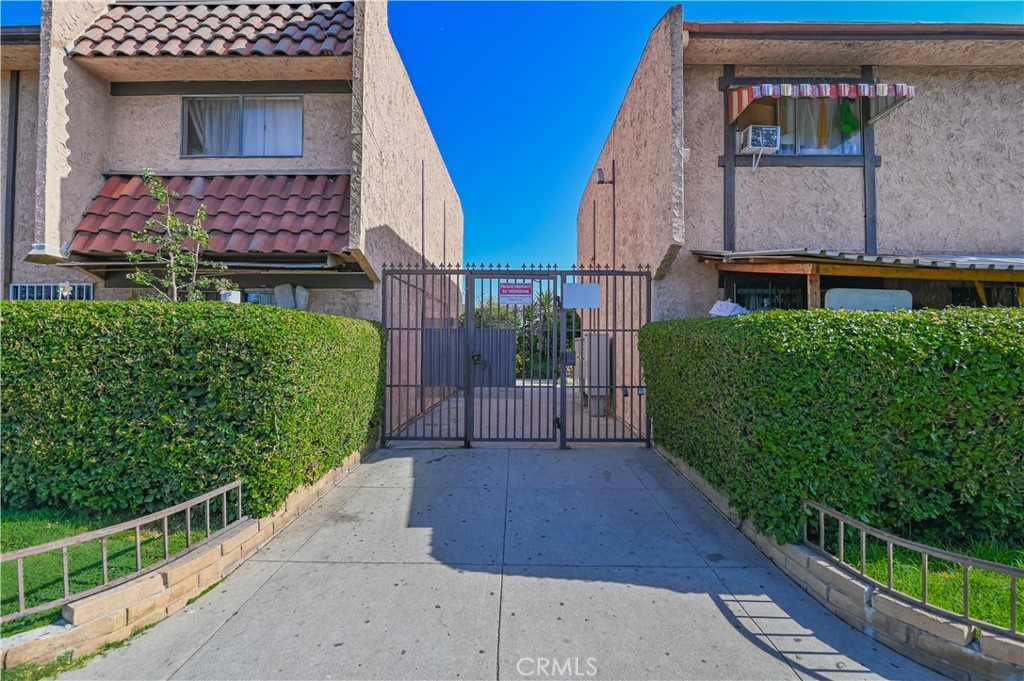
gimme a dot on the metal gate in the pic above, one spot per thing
(495, 354)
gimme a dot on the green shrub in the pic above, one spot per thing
(132, 407)
(910, 421)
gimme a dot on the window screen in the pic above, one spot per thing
(249, 125)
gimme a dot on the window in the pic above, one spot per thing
(758, 292)
(996, 295)
(259, 296)
(809, 126)
(248, 125)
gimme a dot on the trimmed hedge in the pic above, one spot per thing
(910, 421)
(133, 407)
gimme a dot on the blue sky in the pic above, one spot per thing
(520, 95)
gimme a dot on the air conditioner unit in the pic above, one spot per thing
(759, 139)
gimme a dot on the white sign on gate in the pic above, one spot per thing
(515, 293)
(582, 296)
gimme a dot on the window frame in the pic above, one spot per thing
(261, 292)
(869, 161)
(183, 147)
(777, 106)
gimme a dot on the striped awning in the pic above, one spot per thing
(890, 95)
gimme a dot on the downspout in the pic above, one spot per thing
(12, 154)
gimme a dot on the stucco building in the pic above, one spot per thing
(294, 123)
(899, 165)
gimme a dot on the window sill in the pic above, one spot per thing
(796, 161)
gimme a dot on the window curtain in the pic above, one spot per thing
(818, 130)
(213, 122)
(272, 126)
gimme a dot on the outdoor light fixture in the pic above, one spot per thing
(602, 180)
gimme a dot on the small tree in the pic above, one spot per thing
(177, 253)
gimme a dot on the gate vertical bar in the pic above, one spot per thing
(554, 382)
(386, 426)
(563, 369)
(647, 411)
(505, 389)
(470, 298)
(634, 383)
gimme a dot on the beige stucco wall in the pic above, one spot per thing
(405, 208)
(962, 194)
(844, 52)
(646, 145)
(345, 302)
(817, 208)
(404, 204)
(75, 127)
(952, 175)
(690, 288)
(24, 174)
(147, 134)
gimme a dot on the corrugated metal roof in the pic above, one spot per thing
(235, 30)
(966, 262)
(254, 214)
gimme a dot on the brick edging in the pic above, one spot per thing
(113, 615)
(950, 648)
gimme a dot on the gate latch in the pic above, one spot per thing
(476, 358)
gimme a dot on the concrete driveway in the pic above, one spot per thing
(506, 563)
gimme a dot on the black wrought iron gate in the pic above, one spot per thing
(495, 354)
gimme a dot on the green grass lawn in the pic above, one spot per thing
(44, 574)
(989, 591)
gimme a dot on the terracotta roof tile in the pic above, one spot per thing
(269, 29)
(254, 214)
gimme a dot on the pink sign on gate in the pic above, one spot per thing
(515, 293)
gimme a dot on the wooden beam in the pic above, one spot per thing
(729, 173)
(980, 288)
(930, 273)
(768, 268)
(867, 140)
(813, 291)
(1020, 296)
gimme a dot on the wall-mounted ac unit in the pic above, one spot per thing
(759, 139)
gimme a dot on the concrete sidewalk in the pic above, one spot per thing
(499, 563)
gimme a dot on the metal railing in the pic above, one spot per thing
(103, 534)
(1015, 574)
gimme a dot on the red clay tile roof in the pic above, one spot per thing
(235, 30)
(253, 214)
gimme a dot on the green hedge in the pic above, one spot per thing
(132, 407)
(911, 421)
